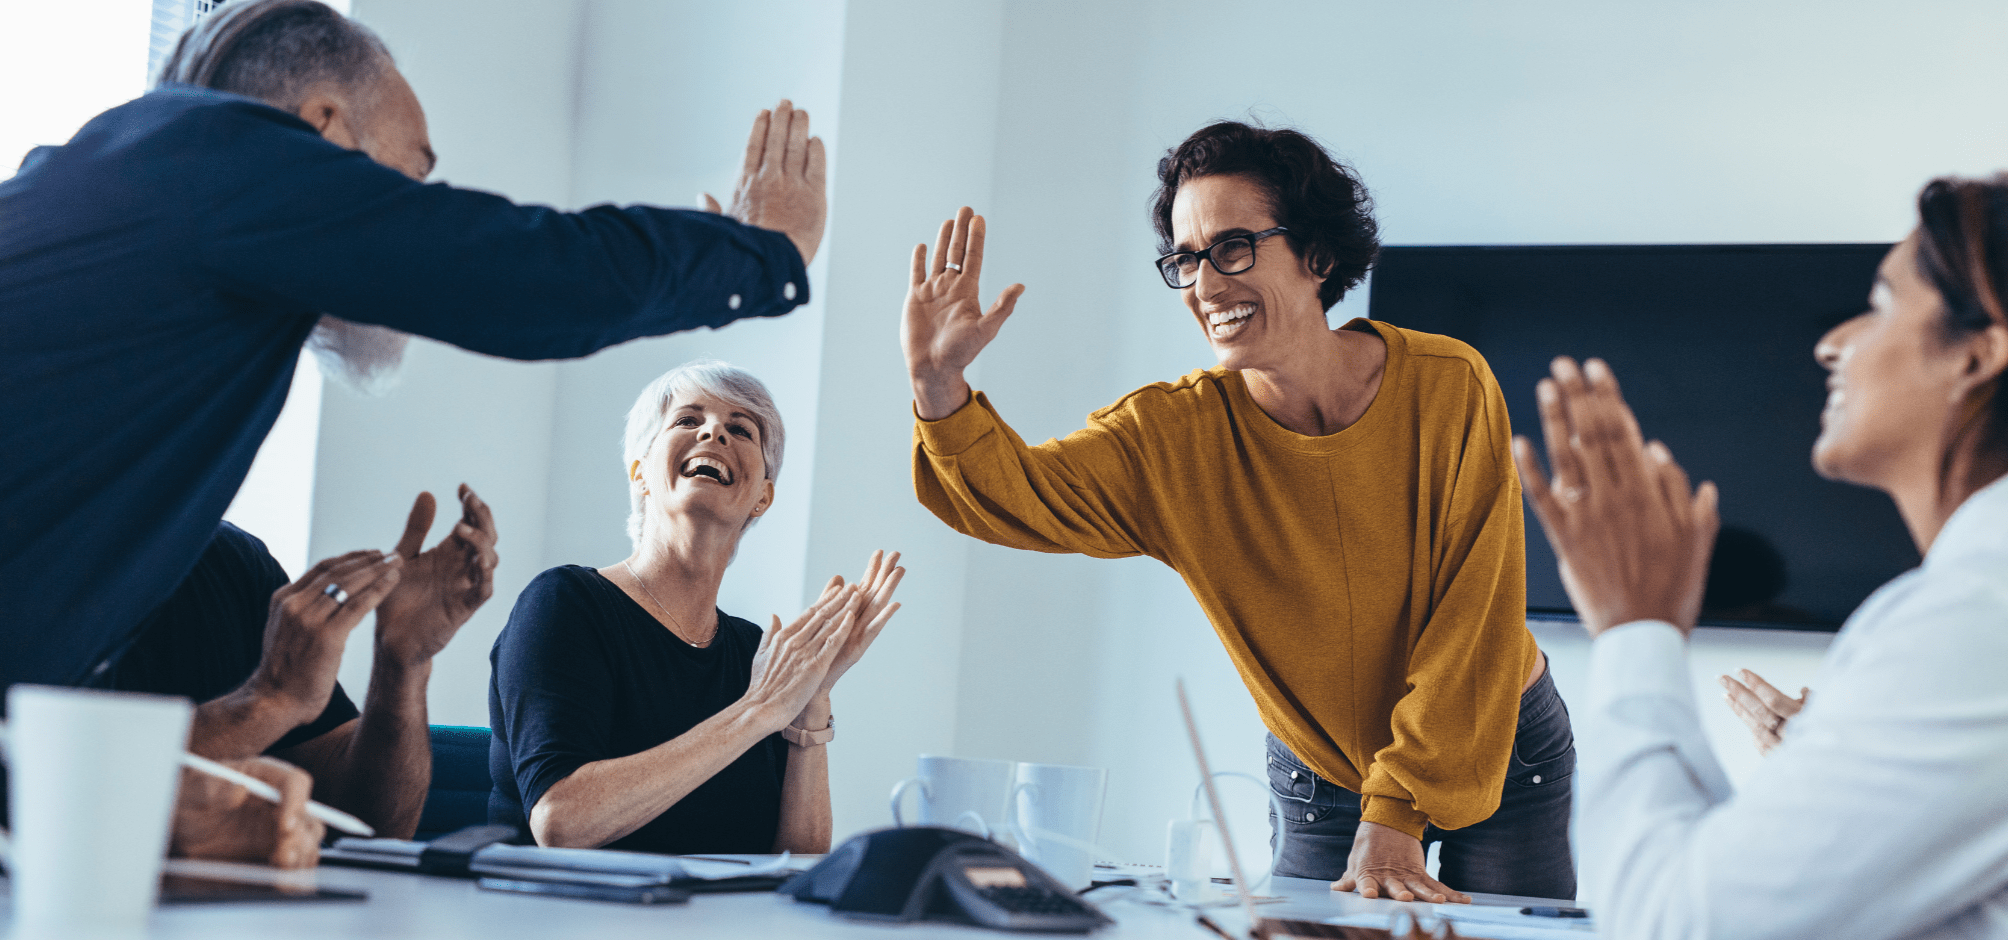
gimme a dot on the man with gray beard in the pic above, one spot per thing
(160, 273)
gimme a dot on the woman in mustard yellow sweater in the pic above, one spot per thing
(1342, 504)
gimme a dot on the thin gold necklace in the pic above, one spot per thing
(680, 628)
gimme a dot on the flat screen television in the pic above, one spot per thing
(1713, 346)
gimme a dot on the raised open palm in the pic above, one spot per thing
(945, 324)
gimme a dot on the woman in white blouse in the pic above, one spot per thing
(1884, 813)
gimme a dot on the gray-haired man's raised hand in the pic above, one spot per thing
(781, 183)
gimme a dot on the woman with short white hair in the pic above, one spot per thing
(629, 711)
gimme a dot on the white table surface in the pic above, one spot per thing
(419, 906)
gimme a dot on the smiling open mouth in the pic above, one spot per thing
(1220, 323)
(708, 468)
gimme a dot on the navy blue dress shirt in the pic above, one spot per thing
(158, 275)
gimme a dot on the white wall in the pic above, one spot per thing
(919, 116)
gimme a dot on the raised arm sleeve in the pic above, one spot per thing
(1453, 729)
(974, 473)
(290, 218)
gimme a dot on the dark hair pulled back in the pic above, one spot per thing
(1320, 200)
(1962, 249)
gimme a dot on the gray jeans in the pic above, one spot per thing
(1523, 848)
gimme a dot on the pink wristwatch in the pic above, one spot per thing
(801, 738)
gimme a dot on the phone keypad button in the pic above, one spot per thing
(1033, 901)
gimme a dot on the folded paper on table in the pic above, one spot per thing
(1481, 922)
(594, 866)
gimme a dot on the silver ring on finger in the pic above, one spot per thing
(952, 266)
(335, 593)
(1572, 494)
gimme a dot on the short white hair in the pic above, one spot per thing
(720, 380)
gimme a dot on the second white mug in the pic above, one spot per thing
(1058, 815)
(958, 792)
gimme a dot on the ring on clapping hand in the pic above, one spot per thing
(1572, 494)
(335, 592)
(952, 266)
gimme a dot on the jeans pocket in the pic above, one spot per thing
(1306, 797)
(1544, 746)
(1292, 785)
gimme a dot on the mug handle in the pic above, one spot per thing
(899, 790)
(1026, 846)
(972, 816)
(1275, 806)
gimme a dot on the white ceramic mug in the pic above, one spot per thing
(91, 786)
(1057, 811)
(958, 792)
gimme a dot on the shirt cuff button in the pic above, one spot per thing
(732, 302)
(788, 291)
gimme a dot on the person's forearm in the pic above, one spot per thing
(937, 396)
(805, 790)
(242, 724)
(607, 799)
(383, 769)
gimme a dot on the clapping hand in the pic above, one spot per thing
(1631, 537)
(442, 586)
(792, 660)
(781, 184)
(1762, 707)
(944, 325)
(881, 579)
(308, 624)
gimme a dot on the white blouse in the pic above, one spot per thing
(1884, 814)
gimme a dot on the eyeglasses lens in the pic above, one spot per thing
(1180, 270)
(1234, 255)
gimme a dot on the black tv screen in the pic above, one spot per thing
(1713, 346)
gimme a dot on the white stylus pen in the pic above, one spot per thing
(261, 790)
(270, 793)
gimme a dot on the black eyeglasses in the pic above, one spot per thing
(1228, 256)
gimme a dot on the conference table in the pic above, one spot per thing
(403, 905)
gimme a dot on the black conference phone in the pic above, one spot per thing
(931, 873)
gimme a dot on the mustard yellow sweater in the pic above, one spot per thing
(1369, 585)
